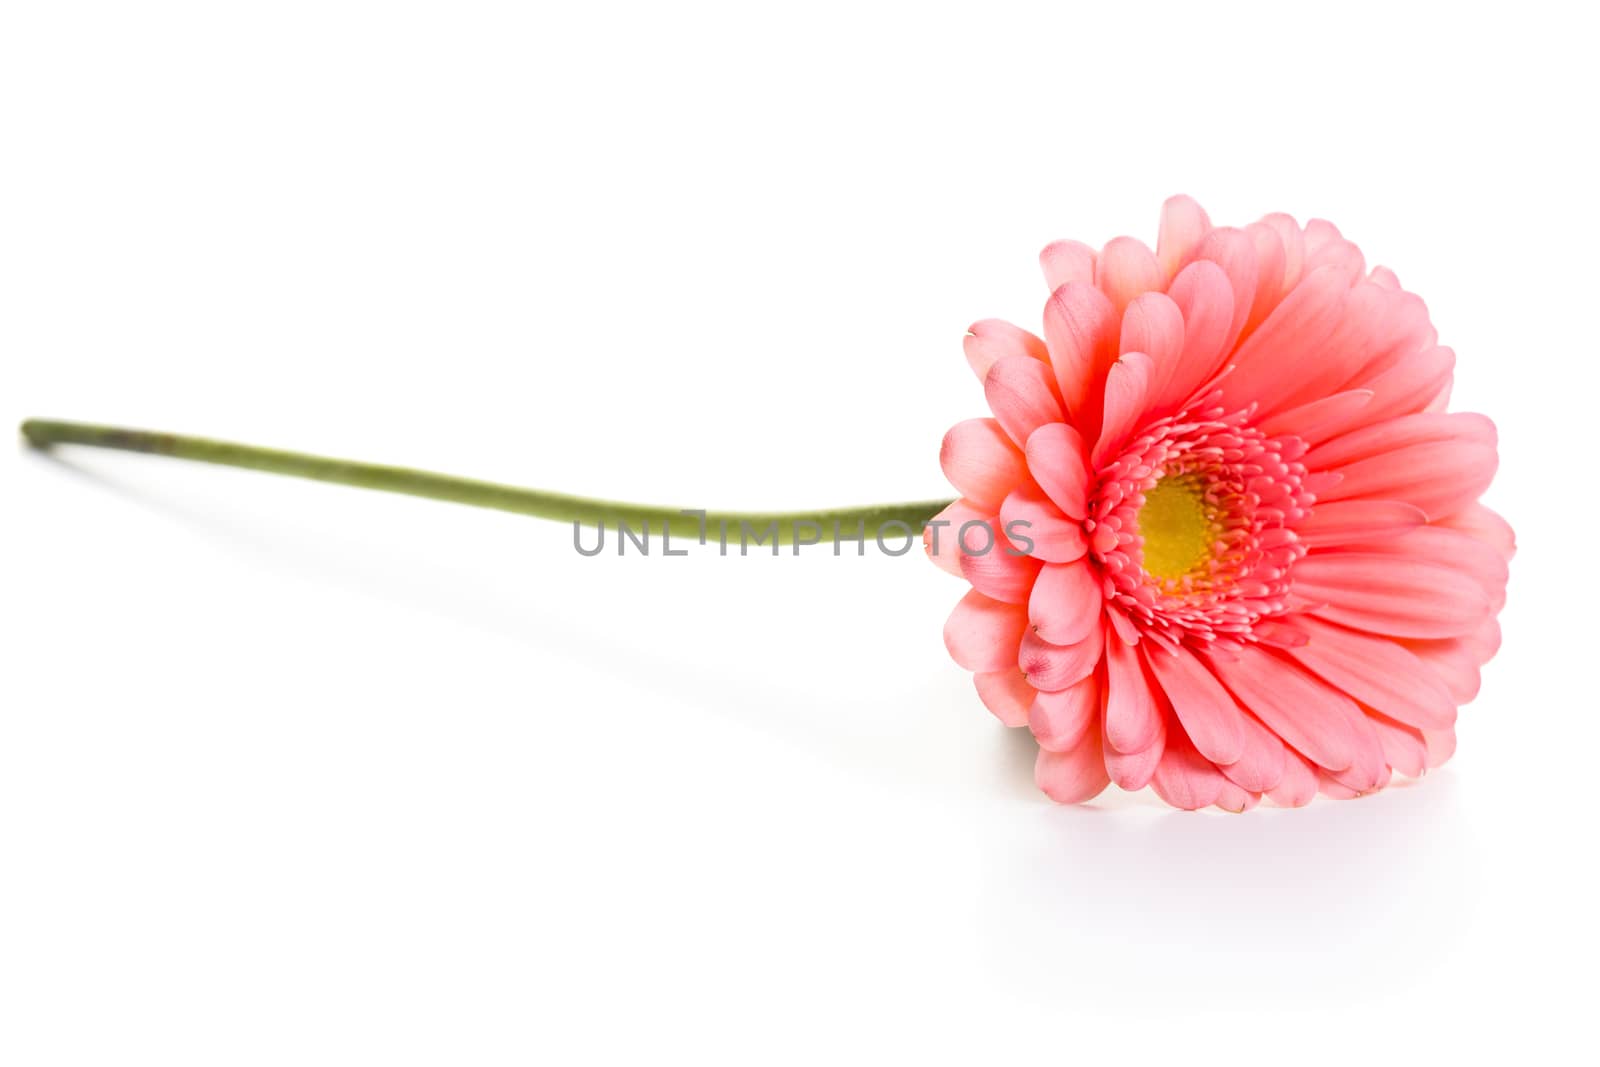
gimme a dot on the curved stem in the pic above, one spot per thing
(818, 526)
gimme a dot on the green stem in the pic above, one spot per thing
(825, 524)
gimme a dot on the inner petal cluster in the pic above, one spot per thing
(1191, 526)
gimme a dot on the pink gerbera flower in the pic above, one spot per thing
(1222, 535)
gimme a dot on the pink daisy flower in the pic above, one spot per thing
(1223, 537)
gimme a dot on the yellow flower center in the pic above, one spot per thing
(1176, 527)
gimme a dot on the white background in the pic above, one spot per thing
(294, 773)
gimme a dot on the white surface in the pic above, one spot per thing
(292, 773)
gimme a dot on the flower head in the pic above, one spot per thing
(1223, 537)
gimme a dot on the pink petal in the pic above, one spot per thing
(983, 634)
(1440, 477)
(1133, 718)
(1321, 483)
(1237, 800)
(1032, 522)
(1298, 786)
(1209, 715)
(1153, 324)
(1280, 632)
(1441, 400)
(1344, 522)
(1005, 693)
(1183, 225)
(1455, 662)
(1441, 746)
(1265, 366)
(1052, 668)
(1073, 776)
(1484, 641)
(1407, 386)
(1330, 786)
(1403, 748)
(1204, 296)
(1391, 594)
(1293, 243)
(992, 340)
(1122, 627)
(982, 463)
(1474, 560)
(1401, 432)
(1059, 464)
(1368, 771)
(1407, 333)
(1060, 720)
(1271, 281)
(939, 537)
(1487, 526)
(1000, 575)
(1184, 778)
(1261, 762)
(1080, 328)
(1022, 394)
(1065, 603)
(1368, 318)
(1125, 269)
(1127, 399)
(1235, 252)
(1303, 711)
(1067, 261)
(1325, 247)
(1133, 770)
(976, 538)
(1320, 419)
